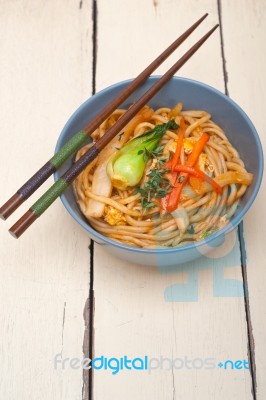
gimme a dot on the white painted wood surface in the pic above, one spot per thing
(45, 73)
(246, 65)
(131, 314)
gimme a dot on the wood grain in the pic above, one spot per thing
(140, 310)
(195, 310)
(246, 65)
(46, 70)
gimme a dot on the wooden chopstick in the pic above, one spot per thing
(79, 138)
(68, 177)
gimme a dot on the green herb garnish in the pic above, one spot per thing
(191, 229)
(156, 187)
(207, 232)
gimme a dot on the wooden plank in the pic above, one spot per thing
(46, 59)
(246, 53)
(139, 310)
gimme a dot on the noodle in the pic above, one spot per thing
(125, 220)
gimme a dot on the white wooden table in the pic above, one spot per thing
(53, 55)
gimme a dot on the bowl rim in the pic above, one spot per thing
(233, 221)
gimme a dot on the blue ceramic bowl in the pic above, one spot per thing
(194, 95)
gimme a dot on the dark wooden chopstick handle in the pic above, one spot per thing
(79, 138)
(68, 177)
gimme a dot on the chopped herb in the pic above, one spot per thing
(208, 232)
(161, 161)
(181, 178)
(191, 229)
(156, 187)
(140, 152)
(158, 151)
(155, 153)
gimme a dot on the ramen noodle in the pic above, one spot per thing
(183, 195)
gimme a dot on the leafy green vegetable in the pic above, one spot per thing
(126, 167)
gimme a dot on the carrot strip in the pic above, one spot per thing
(197, 150)
(171, 200)
(172, 177)
(200, 175)
(174, 195)
(179, 145)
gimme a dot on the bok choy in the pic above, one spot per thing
(126, 167)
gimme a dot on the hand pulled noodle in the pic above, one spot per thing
(203, 187)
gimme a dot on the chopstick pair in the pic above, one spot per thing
(70, 147)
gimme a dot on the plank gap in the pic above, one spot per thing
(91, 320)
(88, 344)
(94, 43)
(251, 344)
(225, 73)
(86, 349)
(91, 294)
